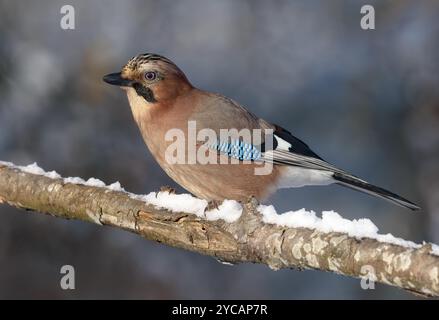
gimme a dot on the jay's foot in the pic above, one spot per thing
(167, 189)
(213, 204)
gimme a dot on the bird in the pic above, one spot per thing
(163, 100)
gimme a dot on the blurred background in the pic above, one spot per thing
(367, 101)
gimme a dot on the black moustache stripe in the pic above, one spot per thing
(144, 92)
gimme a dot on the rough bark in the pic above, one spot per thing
(247, 240)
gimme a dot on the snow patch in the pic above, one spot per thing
(35, 169)
(332, 222)
(229, 211)
(92, 182)
(434, 249)
(116, 187)
(174, 202)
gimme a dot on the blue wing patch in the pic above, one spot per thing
(237, 149)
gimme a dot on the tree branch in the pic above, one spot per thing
(247, 240)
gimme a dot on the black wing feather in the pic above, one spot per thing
(297, 145)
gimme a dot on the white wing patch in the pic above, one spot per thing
(282, 144)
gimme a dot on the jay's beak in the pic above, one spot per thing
(117, 80)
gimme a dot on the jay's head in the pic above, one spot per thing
(153, 77)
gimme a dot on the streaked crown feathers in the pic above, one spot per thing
(135, 62)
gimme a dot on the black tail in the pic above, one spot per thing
(360, 185)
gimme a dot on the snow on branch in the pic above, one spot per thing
(232, 233)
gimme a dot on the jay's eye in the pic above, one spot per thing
(150, 75)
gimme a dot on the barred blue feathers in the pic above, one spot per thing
(237, 149)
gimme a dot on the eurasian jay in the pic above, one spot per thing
(162, 99)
